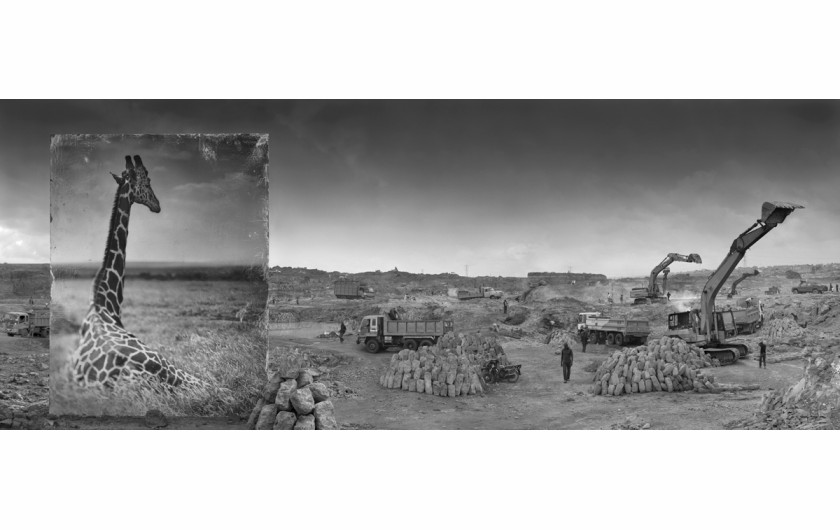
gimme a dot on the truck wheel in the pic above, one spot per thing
(610, 339)
(796, 291)
(619, 339)
(816, 291)
(372, 345)
(426, 342)
(411, 344)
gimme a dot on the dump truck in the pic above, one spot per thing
(351, 289)
(614, 331)
(773, 290)
(380, 332)
(482, 292)
(652, 293)
(35, 322)
(707, 328)
(748, 314)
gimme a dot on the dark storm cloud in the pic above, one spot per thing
(505, 186)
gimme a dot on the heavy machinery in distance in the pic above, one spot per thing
(706, 327)
(27, 323)
(469, 294)
(732, 290)
(748, 314)
(651, 293)
(351, 289)
(809, 287)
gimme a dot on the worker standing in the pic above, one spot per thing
(584, 337)
(341, 331)
(669, 296)
(505, 306)
(566, 358)
(621, 297)
(762, 355)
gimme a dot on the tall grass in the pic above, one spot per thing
(193, 325)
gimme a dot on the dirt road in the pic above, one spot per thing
(540, 399)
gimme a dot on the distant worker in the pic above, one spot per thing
(566, 357)
(505, 306)
(297, 300)
(31, 302)
(762, 355)
(341, 331)
(621, 297)
(584, 337)
(669, 296)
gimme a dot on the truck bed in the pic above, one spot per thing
(623, 325)
(417, 327)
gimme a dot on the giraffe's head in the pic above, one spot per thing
(139, 184)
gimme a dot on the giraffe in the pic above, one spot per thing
(108, 354)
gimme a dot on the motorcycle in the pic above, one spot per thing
(493, 372)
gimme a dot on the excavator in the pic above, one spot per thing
(646, 295)
(732, 290)
(707, 328)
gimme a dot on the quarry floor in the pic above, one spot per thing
(540, 399)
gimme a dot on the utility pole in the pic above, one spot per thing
(467, 271)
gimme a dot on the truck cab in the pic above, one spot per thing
(586, 319)
(687, 325)
(490, 292)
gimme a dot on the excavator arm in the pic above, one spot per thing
(732, 290)
(772, 214)
(669, 259)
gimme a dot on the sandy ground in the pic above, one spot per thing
(539, 400)
(24, 379)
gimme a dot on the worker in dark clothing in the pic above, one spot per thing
(762, 355)
(341, 331)
(584, 337)
(669, 296)
(566, 357)
(505, 306)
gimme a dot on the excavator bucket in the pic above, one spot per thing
(694, 258)
(773, 213)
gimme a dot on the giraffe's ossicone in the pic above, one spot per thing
(109, 355)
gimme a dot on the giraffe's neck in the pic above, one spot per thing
(108, 285)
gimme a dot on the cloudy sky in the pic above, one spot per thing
(509, 187)
(506, 187)
(208, 188)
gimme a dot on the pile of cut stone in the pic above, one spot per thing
(781, 328)
(451, 368)
(812, 403)
(293, 398)
(558, 337)
(666, 365)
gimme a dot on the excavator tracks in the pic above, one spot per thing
(725, 356)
